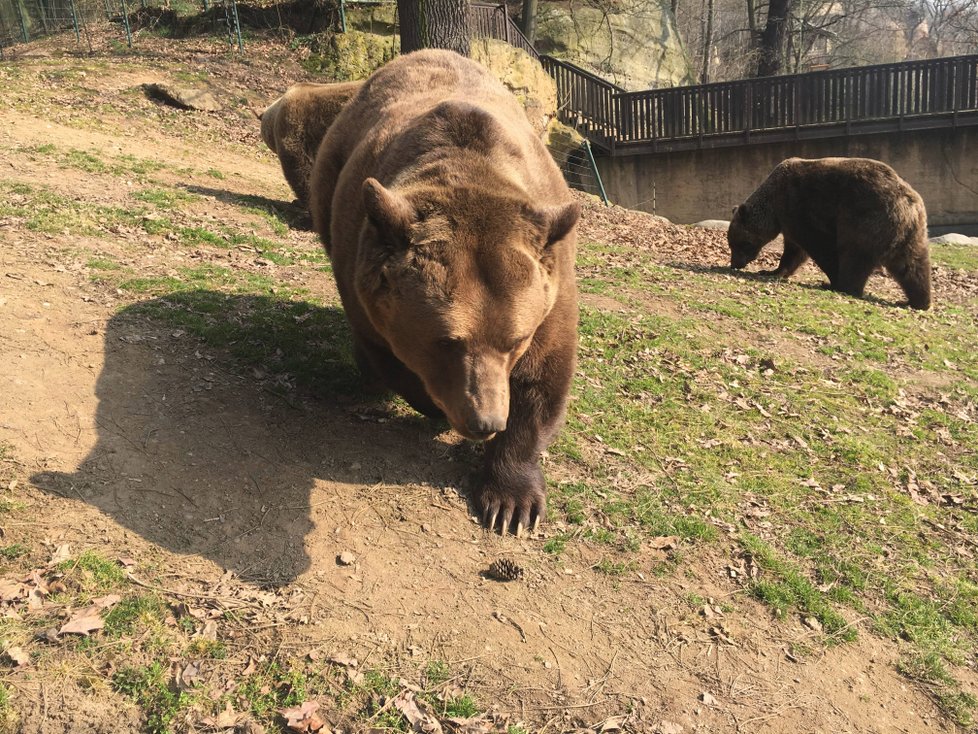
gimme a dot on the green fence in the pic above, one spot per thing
(22, 21)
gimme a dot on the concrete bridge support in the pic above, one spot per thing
(689, 186)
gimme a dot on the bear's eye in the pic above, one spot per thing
(516, 344)
(451, 343)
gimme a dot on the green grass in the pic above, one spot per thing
(93, 571)
(298, 342)
(809, 406)
(272, 687)
(956, 257)
(14, 551)
(132, 613)
(149, 687)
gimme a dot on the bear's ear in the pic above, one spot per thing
(740, 212)
(558, 221)
(389, 212)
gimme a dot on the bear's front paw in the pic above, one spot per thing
(512, 508)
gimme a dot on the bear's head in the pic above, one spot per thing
(751, 227)
(745, 236)
(457, 281)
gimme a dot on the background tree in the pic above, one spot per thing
(529, 19)
(434, 24)
(772, 50)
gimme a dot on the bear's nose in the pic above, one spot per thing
(483, 426)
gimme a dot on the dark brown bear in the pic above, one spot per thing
(850, 215)
(294, 125)
(452, 236)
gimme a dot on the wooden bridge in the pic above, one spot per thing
(911, 95)
(660, 146)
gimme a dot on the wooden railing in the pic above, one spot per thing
(937, 87)
(489, 20)
(584, 101)
(906, 95)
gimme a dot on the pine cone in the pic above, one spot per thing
(505, 570)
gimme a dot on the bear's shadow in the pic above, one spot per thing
(216, 415)
(290, 213)
(756, 277)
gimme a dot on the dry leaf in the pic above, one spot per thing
(303, 718)
(61, 554)
(419, 719)
(10, 590)
(82, 624)
(665, 542)
(227, 719)
(17, 656)
(188, 677)
(343, 659)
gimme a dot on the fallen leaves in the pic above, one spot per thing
(90, 618)
(303, 718)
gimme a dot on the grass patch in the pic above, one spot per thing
(134, 612)
(787, 589)
(93, 571)
(149, 687)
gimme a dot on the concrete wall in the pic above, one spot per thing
(942, 165)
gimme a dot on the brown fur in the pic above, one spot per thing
(850, 215)
(452, 236)
(294, 125)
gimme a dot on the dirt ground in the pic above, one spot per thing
(134, 438)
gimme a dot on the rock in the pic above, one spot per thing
(185, 98)
(712, 224)
(953, 238)
(523, 76)
(632, 43)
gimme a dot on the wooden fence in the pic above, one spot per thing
(492, 21)
(881, 98)
(886, 92)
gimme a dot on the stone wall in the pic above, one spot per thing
(694, 185)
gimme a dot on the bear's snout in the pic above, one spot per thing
(482, 427)
(738, 262)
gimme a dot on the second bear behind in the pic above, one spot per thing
(849, 215)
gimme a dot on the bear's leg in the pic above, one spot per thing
(855, 267)
(511, 488)
(297, 169)
(913, 275)
(792, 258)
(379, 365)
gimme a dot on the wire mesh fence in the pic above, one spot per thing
(22, 21)
(576, 162)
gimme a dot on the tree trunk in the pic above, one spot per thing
(772, 46)
(707, 42)
(529, 19)
(434, 24)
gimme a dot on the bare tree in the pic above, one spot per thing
(707, 40)
(434, 24)
(774, 37)
(529, 19)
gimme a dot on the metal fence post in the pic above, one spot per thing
(594, 167)
(343, 16)
(74, 19)
(125, 21)
(23, 24)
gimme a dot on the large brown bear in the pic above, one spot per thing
(452, 236)
(293, 126)
(850, 215)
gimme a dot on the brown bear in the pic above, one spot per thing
(452, 236)
(293, 126)
(850, 215)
